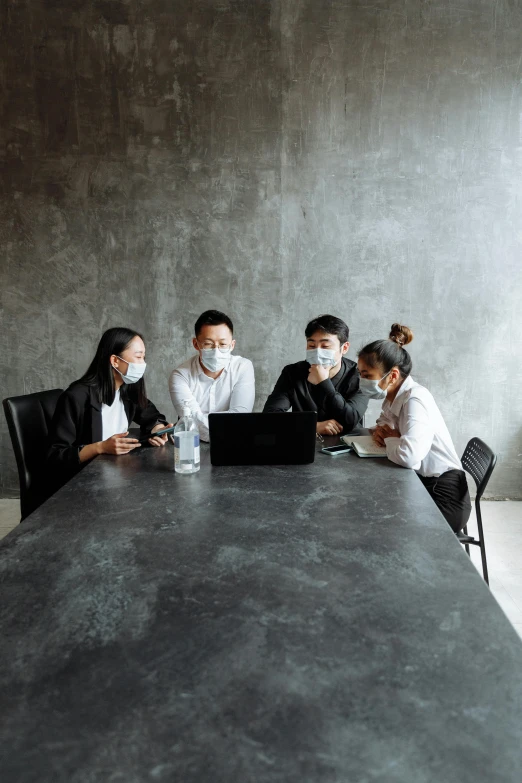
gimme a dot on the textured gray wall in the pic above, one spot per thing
(275, 160)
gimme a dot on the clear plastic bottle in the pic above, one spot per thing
(186, 443)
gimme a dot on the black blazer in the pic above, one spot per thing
(77, 421)
(338, 398)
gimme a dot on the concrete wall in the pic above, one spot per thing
(275, 160)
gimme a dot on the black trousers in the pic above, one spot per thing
(451, 495)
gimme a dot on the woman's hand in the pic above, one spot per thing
(389, 432)
(382, 432)
(161, 439)
(119, 444)
(378, 436)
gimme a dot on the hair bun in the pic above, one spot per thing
(402, 335)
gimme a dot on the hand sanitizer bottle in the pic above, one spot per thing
(186, 443)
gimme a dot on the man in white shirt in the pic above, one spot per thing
(214, 380)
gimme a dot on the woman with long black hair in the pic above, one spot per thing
(410, 425)
(93, 415)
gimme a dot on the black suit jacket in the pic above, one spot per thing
(77, 421)
(338, 398)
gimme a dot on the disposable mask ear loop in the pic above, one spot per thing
(383, 377)
(135, 371)
(372, 389)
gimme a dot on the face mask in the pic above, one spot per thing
(134, 372)
(323, 356)
(215, 359)
(372, 389)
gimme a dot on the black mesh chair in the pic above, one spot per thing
(478, 460)
(28, 418)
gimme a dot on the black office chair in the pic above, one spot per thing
(28, 418)
(478, 460)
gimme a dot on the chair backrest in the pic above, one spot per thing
(28, 418)
(479, 460)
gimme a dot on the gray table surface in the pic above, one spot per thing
(301, 624)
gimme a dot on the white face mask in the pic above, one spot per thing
(323, 356)
(372, 389)
(135, 371)
(215, 359)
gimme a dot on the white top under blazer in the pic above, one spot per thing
(114, 418)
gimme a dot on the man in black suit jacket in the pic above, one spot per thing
(327, 382)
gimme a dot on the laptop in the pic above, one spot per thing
(262, 438)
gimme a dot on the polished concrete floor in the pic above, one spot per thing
(503, 533)
(9, 516)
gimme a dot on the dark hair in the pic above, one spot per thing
(100, 374)
(212, 318)
(328, 324)
(390, 353)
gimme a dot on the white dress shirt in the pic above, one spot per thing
(231, 392)
(114, 418)
(425, 444)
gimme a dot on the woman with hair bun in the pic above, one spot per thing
(411, 426)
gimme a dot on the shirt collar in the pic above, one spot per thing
(399, 400)
(207, 377)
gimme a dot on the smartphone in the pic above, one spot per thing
(333, 451)
(166, 431)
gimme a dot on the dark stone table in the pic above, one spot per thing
(301, 624)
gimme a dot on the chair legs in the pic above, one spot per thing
(466, 546)
(481, 542)
(466, 540)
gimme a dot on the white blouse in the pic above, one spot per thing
(114, 418)
(425, 444)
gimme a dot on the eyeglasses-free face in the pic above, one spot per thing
(329, 342)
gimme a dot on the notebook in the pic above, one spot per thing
(364, 445)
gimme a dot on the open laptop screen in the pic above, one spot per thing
(262, 438)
